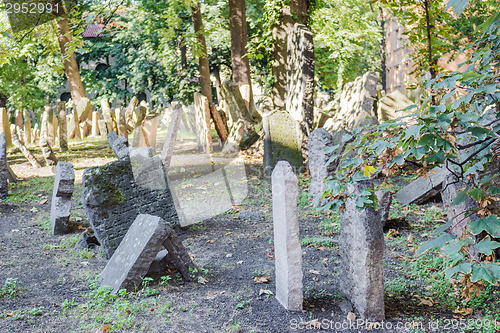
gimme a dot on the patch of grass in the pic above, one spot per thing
(317, 241)
(27, 191)
(10, 288)
(330, 225)
(42, 220)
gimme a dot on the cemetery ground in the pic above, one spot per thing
(47, 285)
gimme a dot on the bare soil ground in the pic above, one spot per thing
(49, 286)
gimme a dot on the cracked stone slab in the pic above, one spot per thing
(422, 189)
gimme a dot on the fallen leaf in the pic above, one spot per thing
(321, 248)
(262, 279)
(270, 255)
(43, 202)
(464, 311)
(81, 227)
(202, 280)
(103, 329)
(410, 239)
(314, 272)
(351, 316)
(34, 210)
(210, 241)
(265, 291)
(392, 232)
(426, 302)
(315, 279)
(10, 314)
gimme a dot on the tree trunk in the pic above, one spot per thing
(428, 25)
(218, 82)
(239, 37)
(65, 38)
(295, 12)
(183, 49)
(3, 101)
(206, 88)
(383, 65)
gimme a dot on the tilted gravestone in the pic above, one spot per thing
(319, 140)
(133, 258)
(281, 141)
(114, 194)
(119, 145)
(300, 79)
(4, 172)
(288, 253)
(47, 152)
(173, 128)
(63, 126)
(362, 256)
(60, 211)
(423, 188)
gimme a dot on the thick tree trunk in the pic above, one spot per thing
(295, 12)
(3, 101)
(383, 65)
(428, 25)
(65, 38)
(206, 88)
(239, 37)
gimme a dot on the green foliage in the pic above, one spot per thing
(346, 41)
(10, 288)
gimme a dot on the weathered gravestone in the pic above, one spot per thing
(4, 172)
(60, 211)
(392, 106)
(300, 79)
(384, 198)
(319, 140)
(281, 141)
(5, 125)
(423, 188)
(288, 253)
(103, 130)
(47, 152)
(27, 127)
(63, 126)
(119, 145)
(362, 256)
(173, 128)
(203, 125)
(132, 260)
(114, 194)
(95, 124)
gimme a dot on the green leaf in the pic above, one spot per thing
(461, 197)
(490, 224)
(443, 227)
(464, 268)
(331, 149)
(486, 246)
(435, 243)
(481, 272)
(413, 131)
(480, 132)
(399, 160)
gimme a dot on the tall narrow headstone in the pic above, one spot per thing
(103, 130)
(95, 124)
(47, 152)
(173, 128)
(60, 211)
(281, 141)
(149, 129)
(362, 256)
(288, 253)
(27, 128)
(203, 126)
(5, 125)
(63, 126)
(319, 140)
(106, 115)
(4, 172)
(300, 80)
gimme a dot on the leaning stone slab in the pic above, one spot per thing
(119, 145)
(83, 109)
(112, 198)
(422, 189)
(4, 172)
(288, 253)
(362, 252)
(60, 211)
(319, 140)
(133, 257)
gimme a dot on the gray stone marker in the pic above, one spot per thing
(203, 125)
(384, 198)
(103, 130)
(119, 145)
(63, 126)
(5, 125)
(47, 152)
(173, 128)
(319, 140)
(422, 189)
(362, 256)
(281, 141)
(451, 187)
(133, 257)
(4, 172)
(112, 198)
(60, 210)
(300, 79)
(288, 253)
